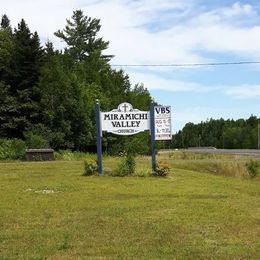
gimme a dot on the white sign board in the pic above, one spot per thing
(162, 120)
(125, 120)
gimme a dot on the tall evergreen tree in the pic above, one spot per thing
(28, 57)
(6, 47)
(8, 103)
(23, 77)
(6, 55)
(80, 34)
(8, 109)
(5, 24)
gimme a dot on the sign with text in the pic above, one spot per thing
(162, 120)
(125, 120)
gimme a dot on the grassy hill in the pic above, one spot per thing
(48, 210)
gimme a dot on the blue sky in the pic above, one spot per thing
(171, 32)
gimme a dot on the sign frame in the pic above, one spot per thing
(162, 123)
(125, 113)
(125, 120)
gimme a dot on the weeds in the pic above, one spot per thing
(126, 167)
(143, 173)
(90, 168)
(12, 149)
(217, 164)
(162, 169)
(253, 168)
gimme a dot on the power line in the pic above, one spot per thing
(187, 64)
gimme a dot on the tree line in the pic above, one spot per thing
(48, 96)
(220, 133)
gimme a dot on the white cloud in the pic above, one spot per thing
(132, 42)
(153, 82)
(238, 9)
(244, 92)
(45, 17)
(225, 14)
(212, 31)
(243, 42)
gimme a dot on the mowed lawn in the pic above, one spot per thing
(48, 210)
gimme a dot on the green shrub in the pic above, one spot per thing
(253, 168)
(90, 168)
(12, 149)
(126, 166)
(130, 163)
(121, 170)
(64, 155)
(162, 169)
(143, 173)
(34, 141)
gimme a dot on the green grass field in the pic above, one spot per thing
(48, 210)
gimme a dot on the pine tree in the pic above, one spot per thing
(8, 109)
(6, 47)
(80, 34)
(23, 77)
(6, 55)
(5, 24)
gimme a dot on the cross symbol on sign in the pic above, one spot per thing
(125, 106)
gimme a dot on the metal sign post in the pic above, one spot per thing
(99, 138)
(152, 129)
(258, 134)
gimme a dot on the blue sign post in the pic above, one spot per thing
(152, 132)
(99, 138)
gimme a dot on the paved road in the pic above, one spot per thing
(246, 152)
